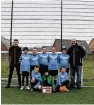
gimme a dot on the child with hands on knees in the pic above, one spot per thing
(36, 79)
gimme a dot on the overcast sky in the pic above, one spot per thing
(38, 23)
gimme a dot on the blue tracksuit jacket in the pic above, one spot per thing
(64, 60)
(37, 77)
(34, 60)
(24, 62)
(43, 58)
(53, 61)
(61, 77)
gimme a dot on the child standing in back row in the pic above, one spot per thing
(25, 67)
(43, 60)
(64, 59)
(53, 64)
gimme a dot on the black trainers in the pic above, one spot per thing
(71, 87)
(7, 86)
(78, 87)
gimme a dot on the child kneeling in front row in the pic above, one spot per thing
(62, 79)
(47, 80)
(35, 79)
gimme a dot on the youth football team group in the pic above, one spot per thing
(47, 69)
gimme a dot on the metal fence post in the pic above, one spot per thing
(11, 25)
(61, 25)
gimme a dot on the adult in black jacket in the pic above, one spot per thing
(76, 53)
(14, 54)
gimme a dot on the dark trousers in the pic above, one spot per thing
(31, 69)
(53, 72)
(11, 68)
(25, 74)
(65, 83)
(33, 83)
(73, 70)
(45, 83)
(67, 70)
(43, 69)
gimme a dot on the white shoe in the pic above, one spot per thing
(22, 88)
(31, 89)
(27, 87)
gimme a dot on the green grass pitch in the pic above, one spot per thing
(84, 96)
(74, 96)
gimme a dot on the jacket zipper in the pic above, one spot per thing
(14, 55)
(74, 57)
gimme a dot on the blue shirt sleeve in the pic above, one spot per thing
(39, 59)
(30, 58)
(48, 58)
(33, 75)
(59, 58)
(66, 76)
(39, 78)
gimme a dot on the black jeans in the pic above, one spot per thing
(25, 74)
(11, 68)
(65, 83)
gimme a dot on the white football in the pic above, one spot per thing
(44, 90)
(39, 87)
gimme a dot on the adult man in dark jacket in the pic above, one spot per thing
(76, 53)
(14, 54)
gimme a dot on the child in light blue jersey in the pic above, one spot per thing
(36, 79)
(62, 78)
(34, 59)
(25, 67)
(53, 62)
(43, 61)
(64, 59)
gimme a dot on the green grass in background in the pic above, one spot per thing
(88, 72)
(74, 96)
(5, 69)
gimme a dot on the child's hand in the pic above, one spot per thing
(53, 89)
(33, 80)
